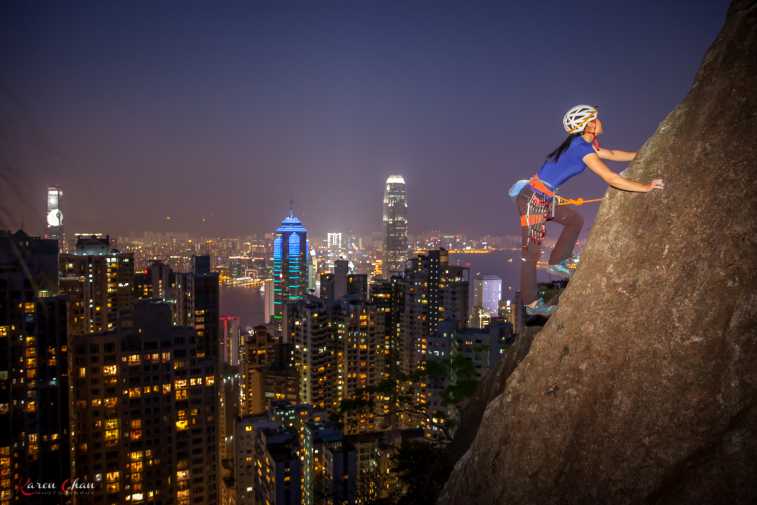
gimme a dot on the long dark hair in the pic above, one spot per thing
(555, 155)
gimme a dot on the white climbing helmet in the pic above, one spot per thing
(576, 119)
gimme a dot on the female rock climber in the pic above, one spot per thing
(535, 199)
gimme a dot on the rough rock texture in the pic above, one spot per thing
(492, 384)
(643, 387)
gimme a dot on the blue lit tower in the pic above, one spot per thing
(290, 265)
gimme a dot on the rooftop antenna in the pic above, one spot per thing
(291, 208)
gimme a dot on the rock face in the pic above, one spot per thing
(492, 384)
(643, 387)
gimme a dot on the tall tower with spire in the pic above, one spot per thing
(290, 264)
(395, 225)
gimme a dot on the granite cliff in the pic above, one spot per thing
(642, 388)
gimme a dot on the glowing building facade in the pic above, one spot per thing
(54, 216)
(487, 293)
(290, 266)
(395, 225)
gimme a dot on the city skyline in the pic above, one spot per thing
(461, 107)
(409, 329)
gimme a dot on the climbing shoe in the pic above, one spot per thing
(541, 309)
(561, 269)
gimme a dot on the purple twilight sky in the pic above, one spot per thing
(140, 110)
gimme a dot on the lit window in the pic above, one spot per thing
(111, 437)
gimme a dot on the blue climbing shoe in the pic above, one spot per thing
(561, 269)
(541, 309)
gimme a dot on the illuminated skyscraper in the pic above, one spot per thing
(487, 291)
(312, 272)
(54, 216)
(395, 225)
(290, 265)
(334, 242)
(269, 299)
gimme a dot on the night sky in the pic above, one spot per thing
(226, 113)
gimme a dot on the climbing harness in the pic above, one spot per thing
(539, 209)
(542, 206)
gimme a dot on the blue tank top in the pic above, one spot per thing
(570, 164)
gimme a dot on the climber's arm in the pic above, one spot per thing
(615, 154)
(617, 181)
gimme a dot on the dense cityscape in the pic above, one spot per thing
(378, 253)
(126, 375)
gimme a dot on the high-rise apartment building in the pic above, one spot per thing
(328, 287)
(146, 412)
(434, 291)
(256, 354)
(206, 306)
(230, 339)
(358, 338)
(341, 267)
(268, 466)
(311, 333)
(329, 465)
(98, 281)
(34, 378)
(357, 286)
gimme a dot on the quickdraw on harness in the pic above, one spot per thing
(539, 209)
